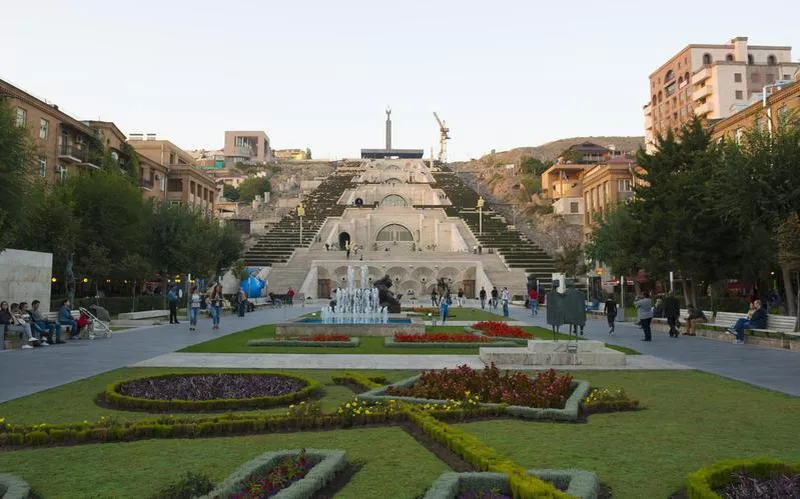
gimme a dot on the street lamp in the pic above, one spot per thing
(480, 215)
(301, 212)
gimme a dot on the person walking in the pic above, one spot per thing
(504, 299)
(434, 298)
(172, 297)
(644, 312)
(672, 310)
(241, 302)
(460, 297)
(290, 295)
(194, 307)
(610, 310)
(533, 296)
(444, 307)
(215, 300)
(494, 297)
(482, 296)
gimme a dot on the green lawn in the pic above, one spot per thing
(74, 402)
(692, 419)
(395, 465)
(237, 343)
(470, 314)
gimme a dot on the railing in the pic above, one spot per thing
(69, 151)
(146, 183)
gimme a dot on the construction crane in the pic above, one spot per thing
(443, 138)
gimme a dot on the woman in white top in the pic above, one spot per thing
(194, 307)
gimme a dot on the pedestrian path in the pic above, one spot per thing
(354, 361)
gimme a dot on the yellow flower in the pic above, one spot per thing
(366, 412)
(347, 405)
(291, 406)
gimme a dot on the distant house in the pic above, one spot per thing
(589, 153)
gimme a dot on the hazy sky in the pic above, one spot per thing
(320, 73)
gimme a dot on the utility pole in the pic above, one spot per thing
(480, 215)
(301, 212)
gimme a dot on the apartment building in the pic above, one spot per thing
(711, 82)
(184, 182)
(64, 145)
(247, 147)
(290, 154)
(783, 100)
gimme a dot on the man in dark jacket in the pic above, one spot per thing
(758, 320)
(611, 312)
(672, 310)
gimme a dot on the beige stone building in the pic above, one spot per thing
(247, 147)
(712, 82)
(185, 183)
(290, 154)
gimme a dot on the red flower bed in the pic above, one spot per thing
(546, 390)
(439, 338)
(326, 337)
(288, 470)
(494, 328)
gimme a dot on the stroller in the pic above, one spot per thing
(98, 325)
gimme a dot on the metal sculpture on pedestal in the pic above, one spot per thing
(385, 297)
(566, 308)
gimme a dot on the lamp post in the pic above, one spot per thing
(480, 215)
(301, 212)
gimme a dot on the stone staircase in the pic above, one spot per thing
(516, 250)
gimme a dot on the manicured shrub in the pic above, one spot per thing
(190, 486)
(325, 337)
(439, 338)
(743, 486)
(546, 390)
(608, 400)
(703, 483)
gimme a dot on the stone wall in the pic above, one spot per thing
(26, 276)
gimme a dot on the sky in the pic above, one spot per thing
(320, 74)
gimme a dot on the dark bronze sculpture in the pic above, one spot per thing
(385, 297)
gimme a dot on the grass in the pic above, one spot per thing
(371, 345)
(74, 402)
(395, 465)
(691, 419)
(470, 314)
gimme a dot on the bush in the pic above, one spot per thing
(703, 483)
(606, 400)
(190, 486)
(115, 305)
(439, 338)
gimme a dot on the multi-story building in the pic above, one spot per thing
(783, 100)
(63, 144)
(291, 154)
(247, 147)
(185, 183)
(711, 82)
(209, 160)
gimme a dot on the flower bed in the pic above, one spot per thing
(292, 473)
(606, 400)
(208, 391)
(572, 483)
(546, 390)
(502, 330)
(439, 338)
(329, 340)
(735, 478)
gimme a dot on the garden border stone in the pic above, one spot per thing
(570, 412)
(119, 401)
(581, 484)
(330, 462)
(390, 342)
(13, 487)
(268, 342)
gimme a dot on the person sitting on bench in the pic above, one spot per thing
(755, 319)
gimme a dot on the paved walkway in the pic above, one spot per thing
(355, 361)
(23, 372)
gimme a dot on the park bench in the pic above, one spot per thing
(780, 326)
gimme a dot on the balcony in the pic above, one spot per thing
(146, 183)
(648, 110)
(71, 153)
(701, 76)
(648, 122)
(701, 93)
(702, 110)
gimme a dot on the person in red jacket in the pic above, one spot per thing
(290, 295)
(534, 298)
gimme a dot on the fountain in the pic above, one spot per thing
(357, 309)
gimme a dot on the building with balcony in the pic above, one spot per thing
(712, 82)
(170, 173)
(247, 147)
(290, 154)
(64, 145)
(561, 181)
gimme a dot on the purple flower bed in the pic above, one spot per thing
(483, 494)
(210, 386)
(744, 486)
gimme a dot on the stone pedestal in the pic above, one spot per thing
(555, 353)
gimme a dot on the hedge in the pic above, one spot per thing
(13, 487)
(112, 397)
(702, 483)
(570, 411)
(580, 484)
(358, 379)
(268, 342)
(327, 463)
(390, 342)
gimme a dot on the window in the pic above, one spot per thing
(670, 75)
(21, 114)
(737, 77)
(749, 58)
(393, 200)
(43, 128)
(707, 58)
(786, 77)
(42, 166)
(771, 60)
(394, 232)
(739, 95)
(574, 207)
(624, 185)
(783, 114)
(759, 124)
(729, 57)
(754, 78)
(770, 78)
(738, 135)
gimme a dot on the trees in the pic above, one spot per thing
(617, 241)
(230, 192)
(531, 165)
(252, 187)
(16, 155)
(308, 153)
